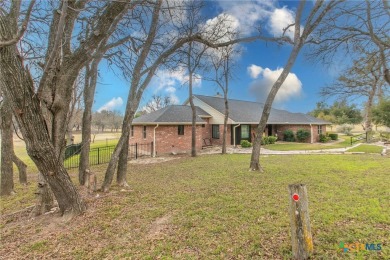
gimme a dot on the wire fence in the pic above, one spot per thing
(102, 155)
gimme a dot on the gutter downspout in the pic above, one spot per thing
(311, 134)
(154, 141)
(234, 135)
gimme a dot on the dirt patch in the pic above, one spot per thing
(153, 160)
(159, 227)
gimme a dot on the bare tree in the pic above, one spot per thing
(363, 79)
(355, 27)
(194, 53)
(157, 102)
(7, 173)
(222, 62)
(8, 155)
(41, 110)
(301, 37)
(74, 109)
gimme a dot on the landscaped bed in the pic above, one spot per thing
(294, 146)
(212, 207)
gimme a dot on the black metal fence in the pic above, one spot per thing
(359, 137)
(140, 150)
(71, 150)
(103, 154)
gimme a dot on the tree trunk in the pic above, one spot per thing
(191, 99)
(368, 121)
(225, 120)
(45, 200)
(129, 115)
(255, 157)
(89, 94)
(7, 174)
(22, 167)
(26, 106)
(122, 165)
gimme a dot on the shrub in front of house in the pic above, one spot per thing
(264, 140)
(345, 129)
(323, 138)
(302, 135)
(272, 139)
(245, 144)
(288, 136)
(333, 136)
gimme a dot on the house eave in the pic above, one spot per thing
(282, 123)
(167, 123)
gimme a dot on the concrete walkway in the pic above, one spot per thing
(264, 151)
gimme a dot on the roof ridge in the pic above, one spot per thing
(249, 101)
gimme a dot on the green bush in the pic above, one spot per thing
(324, 138)
(272, 139)
(268, 140)
(264, 140)
(288, 136)
(245, 144)
(345, 128)
(302, 135)
(333, 136)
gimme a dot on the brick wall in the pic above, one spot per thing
(167, 138)
(218, 141)
(281, 128)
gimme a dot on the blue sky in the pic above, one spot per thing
(257, 67)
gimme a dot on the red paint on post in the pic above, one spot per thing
(295, 197)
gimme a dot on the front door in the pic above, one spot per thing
(269, 130)
(243, 132)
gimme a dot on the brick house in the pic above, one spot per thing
(170, 128)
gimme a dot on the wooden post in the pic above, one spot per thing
(302, 241)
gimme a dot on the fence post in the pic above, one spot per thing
(98, 161)
(136, 151)
(151, 149)
(302, 241)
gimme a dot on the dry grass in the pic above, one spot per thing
(211, 207)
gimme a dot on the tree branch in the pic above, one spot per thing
(22, 30)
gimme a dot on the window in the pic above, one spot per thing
(144, 132)
(132, 131)
(244, 131)
(180, 130)
(319, 129)
(215, 131)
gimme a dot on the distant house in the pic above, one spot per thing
(170, 128)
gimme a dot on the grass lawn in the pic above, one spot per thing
(211, 207)
(283, 146)
(366, 148)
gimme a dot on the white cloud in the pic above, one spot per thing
(292, 86)
(169, 80)
(221, 28)
(112, 104)
(250, 13)
(247, 13)
(281, 19)
(254, 71)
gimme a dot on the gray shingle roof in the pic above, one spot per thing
(250, 112)
(172, 114)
